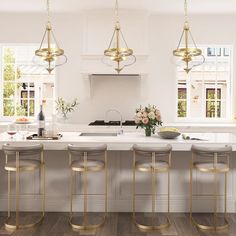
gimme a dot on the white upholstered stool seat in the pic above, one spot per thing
(211, 167)
(146, 166)
(91, 165)
(24, 165)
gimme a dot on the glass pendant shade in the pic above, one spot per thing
(118, 54)
(189, 57)
(49, 54)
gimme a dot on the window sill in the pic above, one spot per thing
(203, 124)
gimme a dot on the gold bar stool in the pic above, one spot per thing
(20, 159)
(84, 164)
(159, 162)
(215, 161)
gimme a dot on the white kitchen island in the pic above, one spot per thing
(125, 141)
(120, 173)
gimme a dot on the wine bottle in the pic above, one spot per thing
(41, 122)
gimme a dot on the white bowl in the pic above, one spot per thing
(168, 134)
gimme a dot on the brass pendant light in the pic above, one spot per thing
(118, 51)
(191, 56)
(51, 54)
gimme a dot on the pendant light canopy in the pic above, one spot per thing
(118, 51)
(49, 52)
(190, 56)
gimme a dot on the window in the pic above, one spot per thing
(206, 92)
(24, 84)
(213, 104)
(182, 102)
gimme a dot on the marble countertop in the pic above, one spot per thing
(125, 142)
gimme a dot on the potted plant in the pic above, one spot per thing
(148, 118)
(63, 107)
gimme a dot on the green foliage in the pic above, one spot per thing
(182, 108)
(64, 107)
(8, 108)
(10, 75)
(21, 111)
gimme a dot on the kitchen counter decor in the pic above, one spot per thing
(36, 137)
(63, 107)
(148, 118)
(168, 132)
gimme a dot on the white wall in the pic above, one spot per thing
(88, 33)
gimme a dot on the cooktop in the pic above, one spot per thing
(113, 123)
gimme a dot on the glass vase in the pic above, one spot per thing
(148, 132)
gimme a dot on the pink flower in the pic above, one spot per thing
(144, 114)
(158, 117)
(145, 120)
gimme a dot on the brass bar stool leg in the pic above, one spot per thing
(133, 198)
(153, 197)
(85, 188)
(106, 187)
(215, 200)
(168, 193)
(191, 192)
(17, 189)
(9, 195)
(43, 173)
(71, 191)
(71, 187)
(153, 188)
(42, 179)
(225, 211)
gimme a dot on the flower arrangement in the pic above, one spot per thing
(148, 118)
(64, 107)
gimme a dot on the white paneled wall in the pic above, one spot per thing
(85, 35)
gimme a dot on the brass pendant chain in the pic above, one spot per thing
(186, 10)
(117, 12)
(48, 10)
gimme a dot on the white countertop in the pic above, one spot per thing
(125, 142)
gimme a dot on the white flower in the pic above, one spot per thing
(139, 115)
(151, 115)
(137, 120)
(158, 113)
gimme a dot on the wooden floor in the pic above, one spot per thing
(117, 224)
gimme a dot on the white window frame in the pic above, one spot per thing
(221, 100)
(8, 118)
(229, 106)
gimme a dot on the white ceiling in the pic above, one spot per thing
(159, 6)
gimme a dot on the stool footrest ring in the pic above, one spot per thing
(9, 226)
(211, 227)
(145, 227)
(86, 222)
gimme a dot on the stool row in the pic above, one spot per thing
(84, 159)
